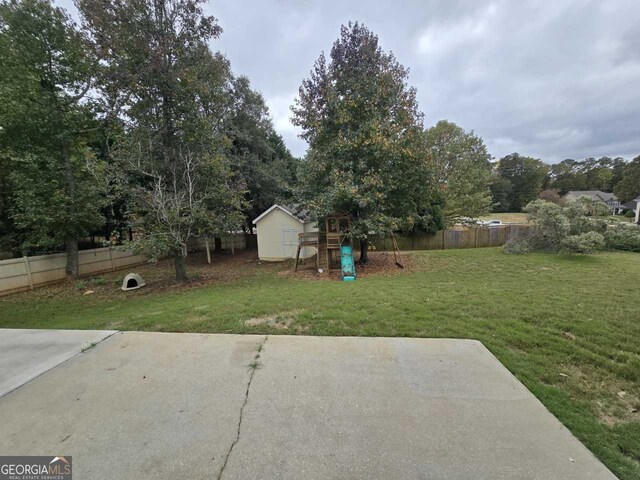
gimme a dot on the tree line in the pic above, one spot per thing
(130, 121)
(519, 180)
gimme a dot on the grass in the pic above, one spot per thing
(567, 326)
(507, 217)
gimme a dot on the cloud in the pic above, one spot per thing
(438, 39)
(279, 108)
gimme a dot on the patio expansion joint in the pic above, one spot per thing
(254, 365)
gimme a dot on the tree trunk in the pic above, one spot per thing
(72, 270)
(181, 267)
(364, 250)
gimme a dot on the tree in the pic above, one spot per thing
(525, 176)
(566, 176)
(462, 168)
(629, 187)
(551, 195)
(599, 174)
(156, 63)
(47, 72)
(366, 153)
(257, 153)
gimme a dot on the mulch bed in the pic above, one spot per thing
(379, 264)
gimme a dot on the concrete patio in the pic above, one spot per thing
(160, 405)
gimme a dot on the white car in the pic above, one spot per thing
(492, 223)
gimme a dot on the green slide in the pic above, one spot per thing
(347, 264)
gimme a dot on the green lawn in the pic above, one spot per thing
(518, 217)
(567, 326)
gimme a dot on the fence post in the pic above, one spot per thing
(113, 268)
(28, 269)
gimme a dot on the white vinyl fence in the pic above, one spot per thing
(25, 273)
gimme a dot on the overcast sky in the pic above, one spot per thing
(552, 80)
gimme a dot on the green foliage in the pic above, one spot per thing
(623, 237)
(367, 150)
(519, 245)
(587, 242)
(629, 186)
(589, 174)
(572, 228)
(518, 181)
(47, 71)
(551, 225)
(462, 168)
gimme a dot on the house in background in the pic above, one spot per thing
(277, 230)
(609, 198)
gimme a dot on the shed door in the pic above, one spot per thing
(290, 242)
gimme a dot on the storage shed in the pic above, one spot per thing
(278, 229)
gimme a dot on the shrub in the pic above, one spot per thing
(80, 285)
(576, 227)
(517, 246)
(623, 237)
(587, 242)
(98, 281)
(551, 225)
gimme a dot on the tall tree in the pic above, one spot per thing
(567, 175)
(525, 176)
(47, 72)
(157, 62)
(367, 154)
(629, 187)
(257, 153)
(462, 167)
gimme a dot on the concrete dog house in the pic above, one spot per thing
(132, 281)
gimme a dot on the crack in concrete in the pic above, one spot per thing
(254, 365)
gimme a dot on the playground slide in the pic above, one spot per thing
(347, 264)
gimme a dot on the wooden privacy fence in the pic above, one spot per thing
(18, 274)
(231, 241)
(474, 237)
(24, 273)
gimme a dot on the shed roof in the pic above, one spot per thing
(296, 211)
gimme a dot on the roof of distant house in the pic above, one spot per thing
(595, 194)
